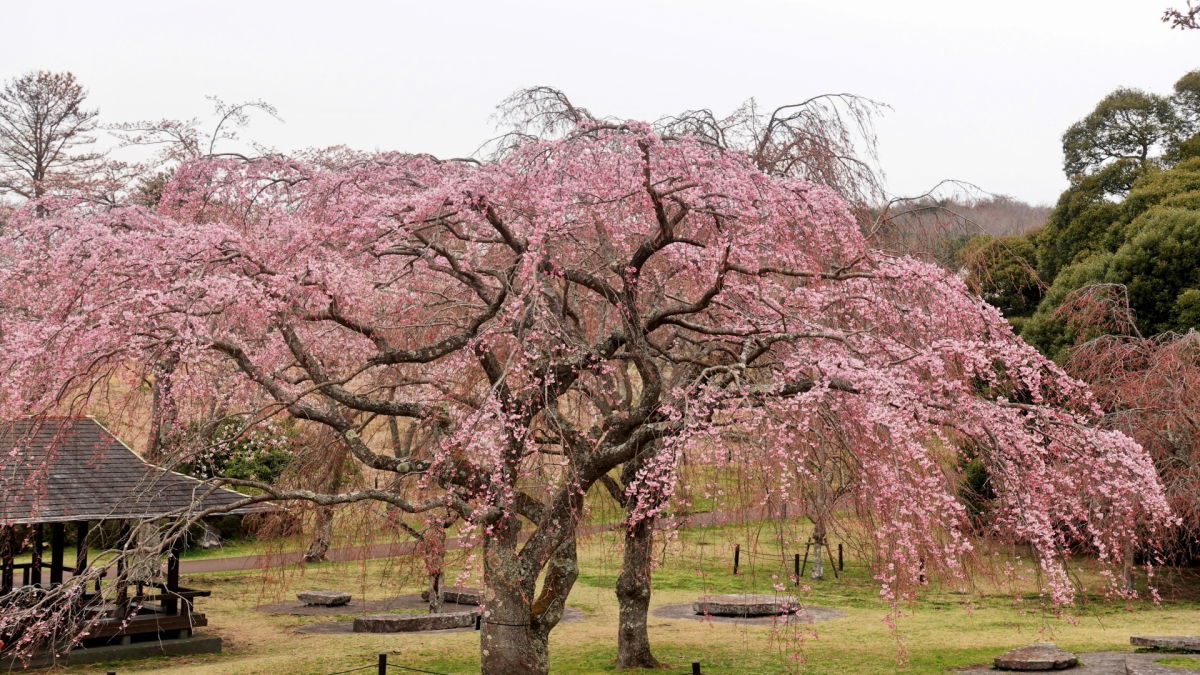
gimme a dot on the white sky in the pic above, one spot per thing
(980, 91)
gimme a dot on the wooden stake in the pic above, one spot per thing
(58, 541)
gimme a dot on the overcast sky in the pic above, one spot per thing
(980, 91)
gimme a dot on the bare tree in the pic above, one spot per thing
(42, 125)
(1187, 18)
(827, 139)
(182, 140)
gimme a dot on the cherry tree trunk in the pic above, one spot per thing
(323, 527)
(633, 597)
(819, 537)
(435, 593)
(322, 535)
(432, 548)
(633, 583)
(511, 644)
(516, 626)
(163, 416)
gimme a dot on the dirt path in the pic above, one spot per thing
(399, 548)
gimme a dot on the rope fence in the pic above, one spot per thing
(381, 667)
(351, 670)
(799, 564)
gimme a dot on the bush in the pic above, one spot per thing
(259, 454)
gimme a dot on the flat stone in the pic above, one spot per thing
(745, 604)
(1177, 643)
(324, 598)
(408, 623)
(1037, 656)
(459, 595)
(1108, 663)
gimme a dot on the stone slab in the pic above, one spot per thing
(324, 598)
(1176, 643)
(570, 614)
(1037, 656)
(744, 605)
(196, 644)
(459, 595)
(1103, 663)
(408, 623)
(805, 615)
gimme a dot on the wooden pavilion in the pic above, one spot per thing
(70, 474)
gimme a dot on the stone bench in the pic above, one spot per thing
(745, 604)
(459, 595)
(1037, 656)
(1175, 643)
(324, 598)
(408, 623)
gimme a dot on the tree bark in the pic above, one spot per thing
(633, 597)
(322, 535)
(633, 584)
(818, 543)
(516, 627)
(435, 593)
(331, 481)
(510, 645)
(432, 548)
(163, 415)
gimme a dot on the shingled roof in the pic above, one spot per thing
(70, 468)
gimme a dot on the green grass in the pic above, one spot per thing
(936, 633)
(231, 550)
(1179, 662)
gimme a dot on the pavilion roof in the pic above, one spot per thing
(61, 469)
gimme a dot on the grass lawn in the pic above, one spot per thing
(936, 633)
(1187, 664)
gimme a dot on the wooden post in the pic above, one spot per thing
(383, 663)
(831, 562)
(170, 593)
(841, 562)
(695, 668)
(122, 599)
(737, 554)
(796, 567)
(35, 561)
(804, 565)
(81, 551)
(7, 550)
(58, 541)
